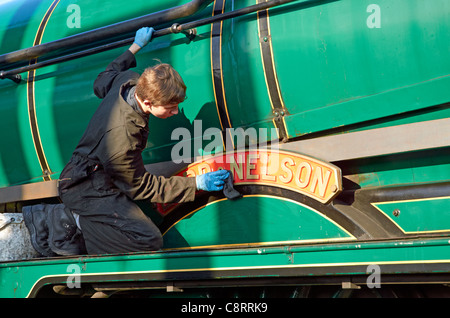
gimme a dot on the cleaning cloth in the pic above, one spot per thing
(228, 190)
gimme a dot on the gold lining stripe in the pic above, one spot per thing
(214, 269)
(374, 204)
(349, 238)
(32, 117)
(217, 73)
(270, 74)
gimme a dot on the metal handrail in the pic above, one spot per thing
(116, 30)
(186, 28)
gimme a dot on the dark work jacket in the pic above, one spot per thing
(108, 160)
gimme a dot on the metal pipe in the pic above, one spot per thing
(234, 14)
(14, 73)
(175, 28)
(99, 35)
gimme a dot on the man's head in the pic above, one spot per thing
(159, 90)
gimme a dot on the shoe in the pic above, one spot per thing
(64, 238)
(35, 218)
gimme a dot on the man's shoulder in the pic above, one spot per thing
(127, 76)
(122, 79)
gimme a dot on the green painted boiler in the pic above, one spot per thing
(333, 116)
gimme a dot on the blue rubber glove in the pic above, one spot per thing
(143, 36)
(212, 181)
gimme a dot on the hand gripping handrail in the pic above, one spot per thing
(115, 31)
(175, 28)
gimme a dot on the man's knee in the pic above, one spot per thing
(157, 243)
(147, 238)
(130, 236)
(155, 240)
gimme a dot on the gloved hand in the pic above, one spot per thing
(212, 181)
(143, 36)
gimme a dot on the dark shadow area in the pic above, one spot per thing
(13, 157)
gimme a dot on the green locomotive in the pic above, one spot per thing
(333, 116)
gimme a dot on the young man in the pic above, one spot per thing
(106, 172)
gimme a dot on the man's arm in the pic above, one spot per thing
(105, 79)
(121, 158)
(142, 38)
(134, 48)
(131, 177)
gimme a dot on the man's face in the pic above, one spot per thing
(163, 111)
(160, 111)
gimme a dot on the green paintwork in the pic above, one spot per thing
(344, 67)
(418, 216)
(329, 62)
(18, 279)
(424, 170)
(253, 220)
(336, 75)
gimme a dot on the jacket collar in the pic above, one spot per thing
(127, 93)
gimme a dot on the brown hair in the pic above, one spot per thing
(161, 85)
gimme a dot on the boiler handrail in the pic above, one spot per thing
(175, 28)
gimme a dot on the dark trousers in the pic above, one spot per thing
(115, 224)
(110, 221)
